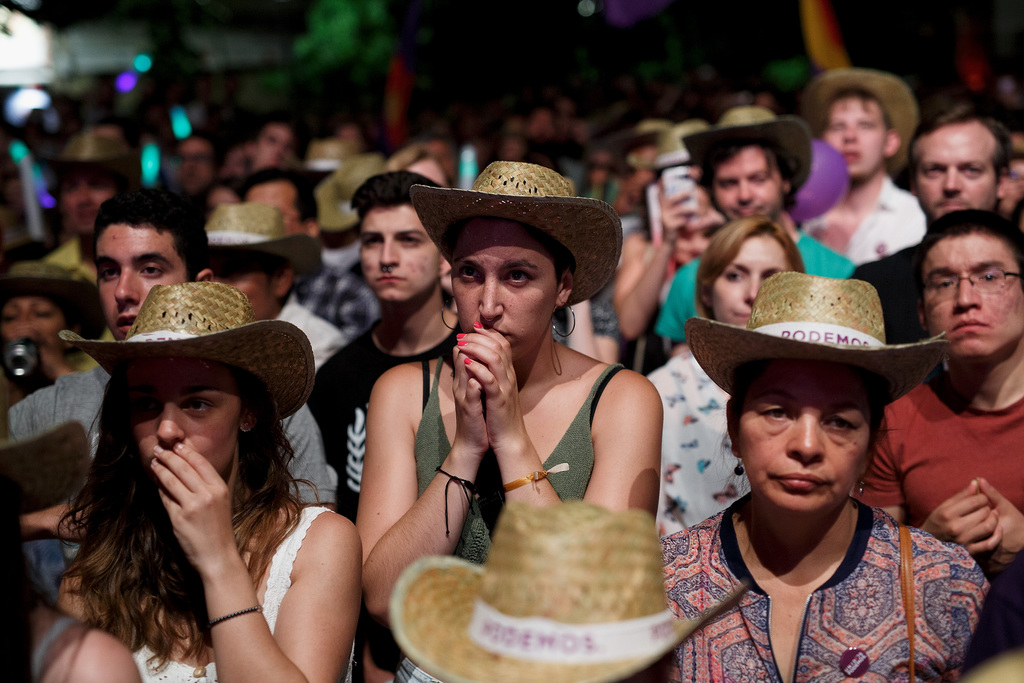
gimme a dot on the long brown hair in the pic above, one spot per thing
(134, 580)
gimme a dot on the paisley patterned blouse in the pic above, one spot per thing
(854, 625)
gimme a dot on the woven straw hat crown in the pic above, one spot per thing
(88, 150)
(540, 198)
(249, 226)
(196, 310)
(247, 217)
(805, 317)
(522, 180)
(671, 150)
(577, 564)
(849, 303)
(213, 321)
(92, 147)
(334, 195)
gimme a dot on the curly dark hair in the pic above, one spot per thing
(164, 212)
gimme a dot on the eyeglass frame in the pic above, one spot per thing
(939, 292)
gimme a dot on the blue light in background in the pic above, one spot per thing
(150, 164)
(142, 63)
(179, 122)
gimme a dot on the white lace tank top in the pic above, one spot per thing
(279, 581)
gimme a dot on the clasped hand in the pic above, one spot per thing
(981, 519)
(487, 411)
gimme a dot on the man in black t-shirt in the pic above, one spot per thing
(404, 270)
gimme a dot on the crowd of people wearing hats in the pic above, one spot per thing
(731, 401)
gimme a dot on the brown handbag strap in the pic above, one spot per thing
(907, 587)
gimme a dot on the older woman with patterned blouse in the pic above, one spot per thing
(809, 377)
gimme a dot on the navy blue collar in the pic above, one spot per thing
(854, 554)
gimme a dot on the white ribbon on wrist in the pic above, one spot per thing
(538, 639)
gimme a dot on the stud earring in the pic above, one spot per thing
(738, 470)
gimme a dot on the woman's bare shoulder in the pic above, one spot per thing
(90, 655)
(331, 535)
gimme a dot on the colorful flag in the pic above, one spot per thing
(822, 38)
(400, 81)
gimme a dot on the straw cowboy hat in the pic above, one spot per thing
(538, 197)
(213, 321)
(789, 136)
(671, 150)
(813, 318)
(89, 151)
(249, 226)
(571, 593)
(49, 467)
(334, 195)
(79, 298)
(893, 94)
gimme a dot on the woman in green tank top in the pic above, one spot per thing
(512, 413)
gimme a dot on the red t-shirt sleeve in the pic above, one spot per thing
(883, 484)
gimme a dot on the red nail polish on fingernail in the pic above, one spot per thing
(468, 361)
(478, 326)
(459, 336)
(462, 343)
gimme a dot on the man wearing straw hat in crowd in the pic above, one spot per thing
(249, 250)
(142, 239)
(90, 170)
(753, 162)
(949, 460)
(868, 116)
(336, 291)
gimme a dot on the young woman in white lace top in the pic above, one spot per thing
(191, 524)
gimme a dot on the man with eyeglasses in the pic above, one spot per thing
(949, 458)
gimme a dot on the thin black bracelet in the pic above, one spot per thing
(214, 622)
(468, 488)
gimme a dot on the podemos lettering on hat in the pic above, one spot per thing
(542, 640)
(820, 333)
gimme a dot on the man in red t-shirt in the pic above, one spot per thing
(949, 461)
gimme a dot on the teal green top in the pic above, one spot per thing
(575, 448)
(681, 303)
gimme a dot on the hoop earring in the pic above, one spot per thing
(445, 322)
(571, 330)
(738, 470)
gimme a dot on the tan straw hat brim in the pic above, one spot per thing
(275, 351)
(431, 607)
(77, 295)
(127, 166)
(892, 92)
(590, 229)
(49, 468)
(301, 251)
(720, 349)
(789, 135)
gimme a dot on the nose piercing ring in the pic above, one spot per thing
(387, 269)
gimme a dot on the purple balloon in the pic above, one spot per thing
(826, 184)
